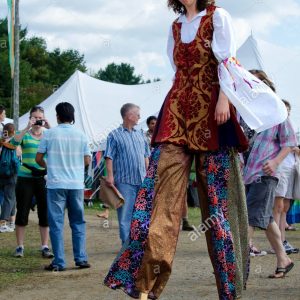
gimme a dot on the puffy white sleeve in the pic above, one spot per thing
(257, 104)
(170, 48)
(223, 43)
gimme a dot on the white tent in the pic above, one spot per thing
(97, 103)
(281, 64)
(8, 120)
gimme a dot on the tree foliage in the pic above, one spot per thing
(122, 73)
(41, 70)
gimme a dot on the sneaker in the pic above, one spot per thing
(54, 268)
(82, 264)
(6, 228)
(12, 226)
(289, 249)
(19, 252)
(186, 226)
(46, 253)
(255, 252)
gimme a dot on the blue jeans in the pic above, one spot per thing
(129, 193)
(58, 200)
(8, 198)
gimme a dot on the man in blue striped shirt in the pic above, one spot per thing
(127, 157)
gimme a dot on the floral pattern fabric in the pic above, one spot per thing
(187, 115)
(217, 171)
(125, 268)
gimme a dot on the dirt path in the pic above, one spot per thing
(191, 279)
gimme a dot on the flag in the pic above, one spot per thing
(11, 34)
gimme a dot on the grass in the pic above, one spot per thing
(12, 269)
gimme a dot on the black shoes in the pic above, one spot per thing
(54, 268)
(186, 226)
(82, 264)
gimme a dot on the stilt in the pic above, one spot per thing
(143, 296)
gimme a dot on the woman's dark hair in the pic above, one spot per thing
(179, 8)
(36, 108)
(264, 77)
(151, 118)
(65, 112)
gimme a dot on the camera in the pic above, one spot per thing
(40, 123)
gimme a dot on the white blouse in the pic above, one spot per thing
(223, 43)
(258, 105)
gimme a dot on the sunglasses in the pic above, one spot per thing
(35, 108)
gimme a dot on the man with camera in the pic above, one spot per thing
(31, 182)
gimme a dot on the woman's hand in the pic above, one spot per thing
(47, 124)
(31, 122)
(222, 113)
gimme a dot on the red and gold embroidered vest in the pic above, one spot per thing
(187, 115)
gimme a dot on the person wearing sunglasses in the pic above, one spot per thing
(31, 182)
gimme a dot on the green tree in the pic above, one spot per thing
(63, 64)
(40, 70)
(122, 73)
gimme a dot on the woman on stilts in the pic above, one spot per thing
(197, 120)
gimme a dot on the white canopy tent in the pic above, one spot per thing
(97, 103)
(8, 120)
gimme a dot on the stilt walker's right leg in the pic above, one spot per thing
(170, 193)
(212, 176)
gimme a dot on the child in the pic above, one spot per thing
(8, 183)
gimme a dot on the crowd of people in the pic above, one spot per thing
(244, 177)
(53, 184)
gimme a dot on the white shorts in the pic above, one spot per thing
(285, 185)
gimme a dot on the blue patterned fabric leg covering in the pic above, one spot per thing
(125, 268)
(217, 166)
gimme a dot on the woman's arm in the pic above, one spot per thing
(19, 137)
(170, 48)
(224, 47)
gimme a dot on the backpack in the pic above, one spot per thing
(9, 162)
